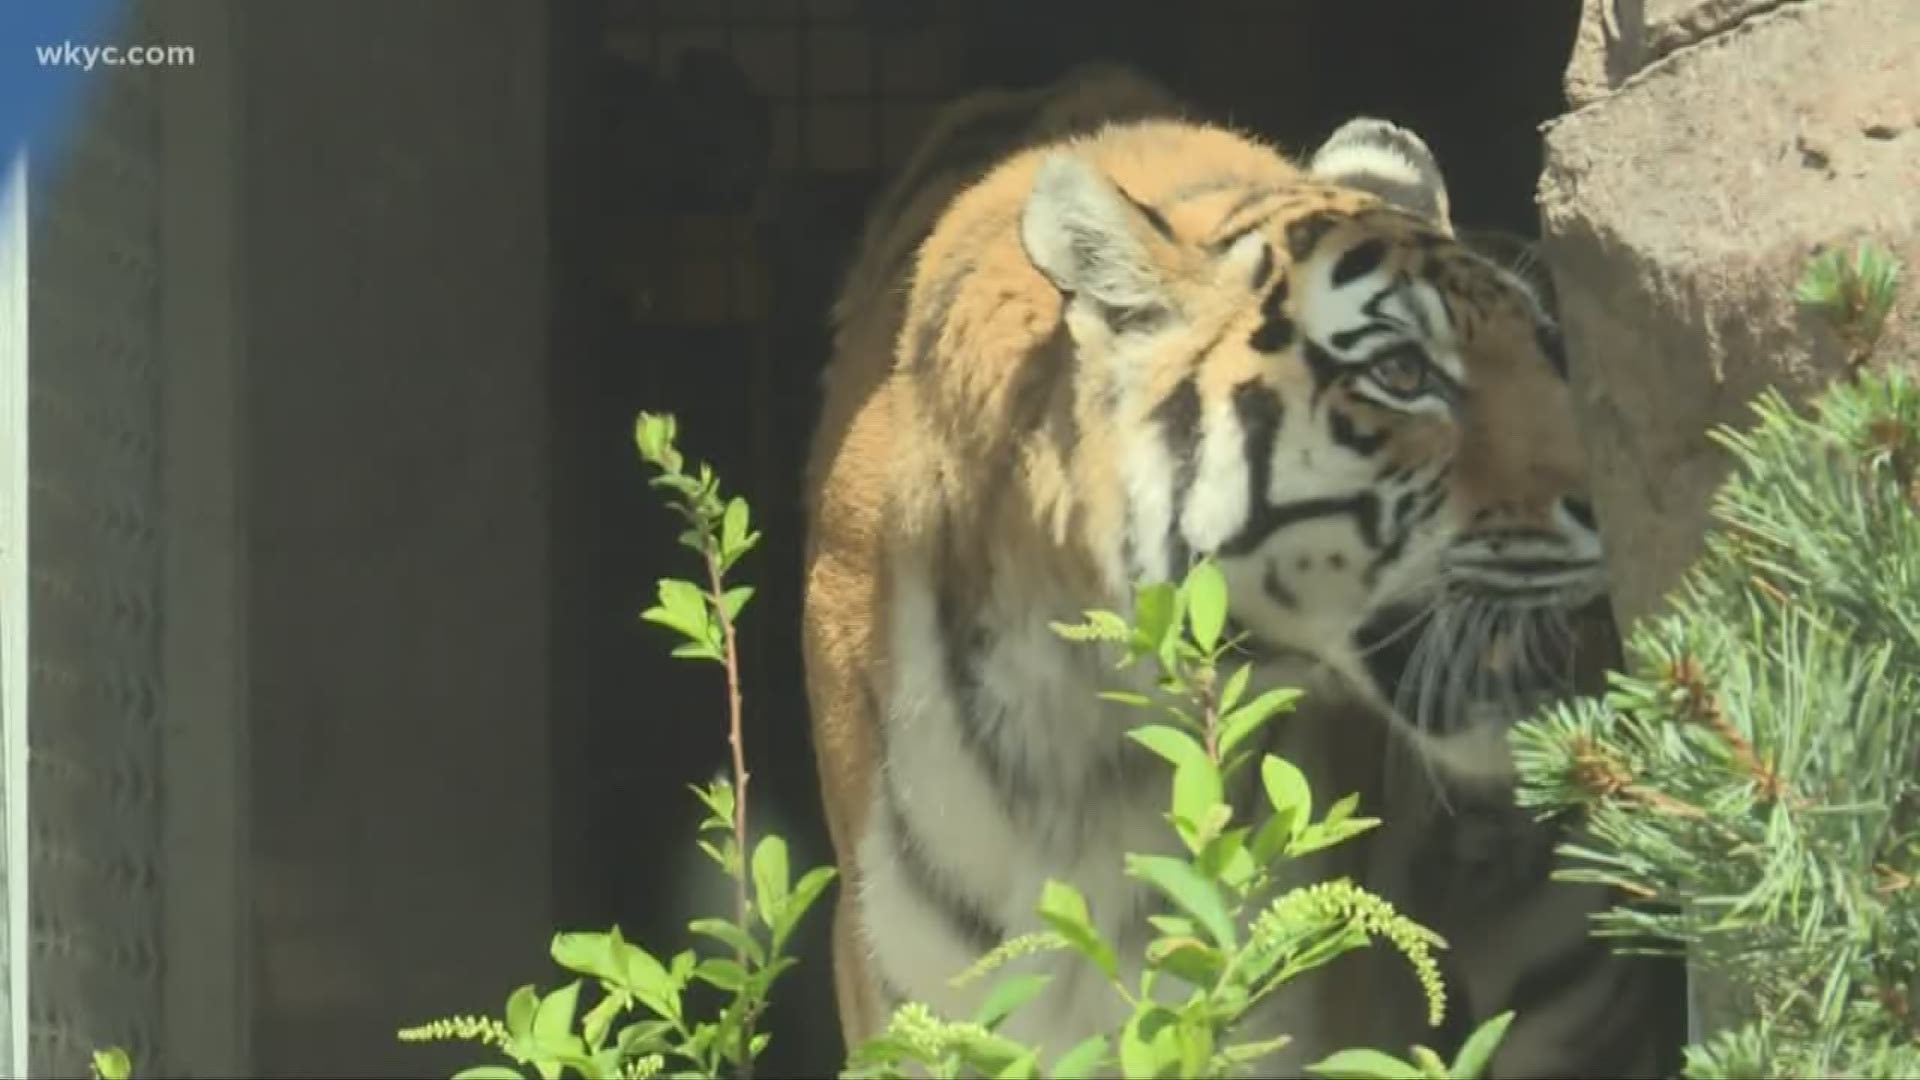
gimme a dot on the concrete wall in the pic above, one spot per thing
(392, 168)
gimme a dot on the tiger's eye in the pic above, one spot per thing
(1401, 371)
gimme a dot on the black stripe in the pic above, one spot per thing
(1345, 434)
(1345, 340)
(1154, 217)
(1323, 366)
(1260, 412)
(1276, 331)
(1138, 319)
(1263, 269)
(1359, 260)
(964, 643)
(981, 931)
(1277, 590)
(1179, 419)
(891, 996)
(1403, 507)
(1362, 506)
(1523, 567)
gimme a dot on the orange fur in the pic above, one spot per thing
(930, 384)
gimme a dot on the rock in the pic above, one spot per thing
(1679, 209)
(1591, 72)
(1618, 38)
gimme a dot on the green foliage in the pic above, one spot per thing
(1751, 785)
(1226, 943)
(640, 1022)
(1854, 296)
(110, 1064)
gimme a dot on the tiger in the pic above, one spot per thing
(1085, 339)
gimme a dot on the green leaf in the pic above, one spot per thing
(1196, 792)
(1024, 1067)
(1326, 834)
(686, 603)
(770, 881)
(1272, 839)
(721, 973)
(1127, 697)
(1149, 1044)
(1184, 886)
(478, 1072)
(805, 892)
(1364, 1065)
(697, 650)
(1187, 958)
(1009, 995)
(1236, 688)
(649, 981)
(1082, 1060)
(1099, 626)
(586, 953)
(653, 433)
(1171, 743)
(733, 526)
(1242, 722)
(735, 599)
(733, 937)
(1477, 1052)
(1243, 1053)
(600, 1018)
(553, 1020)
(1173, 925)
(1206, 604)
(1195, 1039)
(1154, 610)
(1065, 911)
(521, 1006)
(1225, 857)
(1287, 790)
(1431, 1065)
(114, 1064)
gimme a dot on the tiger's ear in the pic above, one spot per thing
(1089, 239)
(1387, 160)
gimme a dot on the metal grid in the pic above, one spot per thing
(839, 89)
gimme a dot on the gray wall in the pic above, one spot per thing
(392, 164)
(289, 669)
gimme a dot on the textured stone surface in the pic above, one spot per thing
(1679, 211)
(1590, 76)
(1618, 38)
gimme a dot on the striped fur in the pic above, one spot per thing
(1073, 354)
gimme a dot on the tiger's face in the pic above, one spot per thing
(1362, 419)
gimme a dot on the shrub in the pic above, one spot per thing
(1751, 782)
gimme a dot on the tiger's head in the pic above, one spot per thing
(1362, 418)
